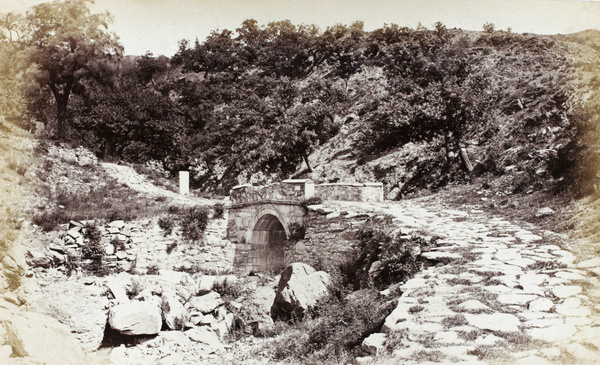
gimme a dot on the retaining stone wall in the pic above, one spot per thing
(368, 192)
(330, 237)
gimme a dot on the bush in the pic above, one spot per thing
(384, 256)
(166, 223)
(50, 220)
(153, 269)
(337, 329)
(93, 250)
(315, 200)
(297, 231)
(193, 223)
(218, 210)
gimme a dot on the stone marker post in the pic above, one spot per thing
(184, 182)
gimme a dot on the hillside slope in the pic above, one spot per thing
(539, 131)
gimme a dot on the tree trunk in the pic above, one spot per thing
(448, 146)
(465, 159)
(62, 100)
(61, 116)
(307, 164)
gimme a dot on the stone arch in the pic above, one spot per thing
(266, 235)
(265, 212)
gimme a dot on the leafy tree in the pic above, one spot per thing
(66, 44)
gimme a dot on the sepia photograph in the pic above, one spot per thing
(299, 182)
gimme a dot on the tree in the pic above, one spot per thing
(67, 44)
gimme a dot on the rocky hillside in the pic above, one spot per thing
(538, 132)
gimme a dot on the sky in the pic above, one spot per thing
(158, 25)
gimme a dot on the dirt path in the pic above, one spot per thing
(128, 176)
(501, 293)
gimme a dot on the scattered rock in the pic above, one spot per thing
(37, 258)
(300, 287)
(541, 305)
(374, 344)
(473, 305)
(207, 337)
(555, 333)
(566, 291)
(582, 354)
(591, 263)
(205, 303)
(135, 318)
(544, 212)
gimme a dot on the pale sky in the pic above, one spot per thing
(158, 25)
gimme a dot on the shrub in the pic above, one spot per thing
(315, 200)
(171, 247)
(193, 223)
(297, 231)
(153, 269)
(218, 210)
(166, 223)
(229, 290)
(93, 250)
(384, 256)
(337, 330)
(50, 220)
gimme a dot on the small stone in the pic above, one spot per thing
(494, 322)
(532, 360)
(544, 212)
(566, 291)
(541, 305)
(206, 303)
(582, 353)
(519, 299)
(448, 337)
(109, 249)
(473, 305)
(551, 352)
(555, 333)
(207, 337)
(573, 312)
(374, 344)
(363, 360)
(578, 321)
(488, 340)
(595, 262)
(117, 224)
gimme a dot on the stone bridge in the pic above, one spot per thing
(261, 219)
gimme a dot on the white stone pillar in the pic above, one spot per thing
(184, 182)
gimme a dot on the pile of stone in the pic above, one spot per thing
(115, 240)
(81, 155)
(173, 301)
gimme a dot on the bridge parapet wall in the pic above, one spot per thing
(287, 190)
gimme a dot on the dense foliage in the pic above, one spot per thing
(251, 105)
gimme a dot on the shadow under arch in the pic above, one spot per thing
(267, 236)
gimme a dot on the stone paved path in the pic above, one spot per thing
(500, 293)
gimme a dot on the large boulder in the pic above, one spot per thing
(82, 308)
(174, 313)
(42, 339)
(299, 288)
(135, 318)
